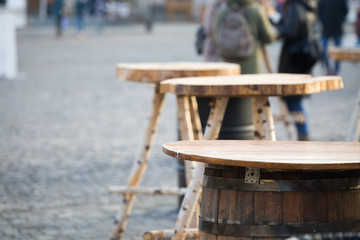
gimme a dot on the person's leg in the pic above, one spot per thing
(295, 104)
(78, 23)
(324, 43)
(337, 42)
(58, 26)
(81, 23)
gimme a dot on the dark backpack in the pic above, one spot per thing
(200, 39)
(233, 36)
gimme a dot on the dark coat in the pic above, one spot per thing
(297, 23)
(332, 14)
(57, 7)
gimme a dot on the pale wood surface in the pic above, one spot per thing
(270, 154)
(191, 233)
(251, 85)
(144, 190)
(139, 165)
(351, 54)
(157, 72)
(186, 131)
(262, 118)
(193, 193)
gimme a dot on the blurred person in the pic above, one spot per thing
(238, 122)
(296, 24)
(80, 7)
(358, 23)
(100, 12)
(209, 21)
(262, 31)
(332, 15)
(279, 6)
(49, 7)
(57, 8)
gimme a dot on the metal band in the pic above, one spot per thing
(309, 185)
(247, 230)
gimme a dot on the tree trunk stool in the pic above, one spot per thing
(274, 190)
(154, 73)
(351, 55)
(257, 86)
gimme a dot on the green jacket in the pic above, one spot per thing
(263, 33)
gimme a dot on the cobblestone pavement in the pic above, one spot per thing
(69, 129)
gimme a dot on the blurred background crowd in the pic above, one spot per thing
(122, 11)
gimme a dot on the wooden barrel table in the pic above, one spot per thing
(274, 190)
(257, 86)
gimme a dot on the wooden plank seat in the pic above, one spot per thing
(257, 86)
(301, 187)
(154, 73)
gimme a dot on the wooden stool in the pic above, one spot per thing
(271, 190)
(352, 55)
(154, 73)
(257, 86)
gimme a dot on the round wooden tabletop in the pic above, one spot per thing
(274, 84)
(269, 154)
(157, 72)
(351, 54)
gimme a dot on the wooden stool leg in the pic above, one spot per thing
(194, 189)
(263, 120)
(198, 135)
(139, 166)
(186, 120)
(195, 119)
(186, 131)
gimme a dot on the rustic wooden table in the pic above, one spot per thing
(351, 54)
(300, 187)
(257, 86)
(154, 73)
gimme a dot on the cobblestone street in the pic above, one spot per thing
(69, 129)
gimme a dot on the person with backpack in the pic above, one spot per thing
(209, 20)
(296, 24)
(241, 29)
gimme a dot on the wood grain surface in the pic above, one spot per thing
(351, 54)
(251, 85)
(269, 154)
(157, 72)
